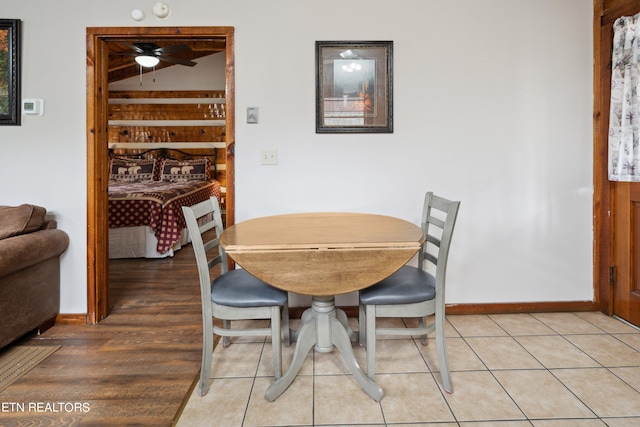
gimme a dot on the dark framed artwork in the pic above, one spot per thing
(354, 86)
(9, 71)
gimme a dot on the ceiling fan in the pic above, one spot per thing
(149, 54)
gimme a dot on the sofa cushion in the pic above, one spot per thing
(16, 220)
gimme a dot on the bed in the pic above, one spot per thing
(145, 203)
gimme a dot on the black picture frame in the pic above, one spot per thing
(354, 86)
(10, 72)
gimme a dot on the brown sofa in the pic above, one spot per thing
(30, 249)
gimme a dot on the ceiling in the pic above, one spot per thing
(122, 64)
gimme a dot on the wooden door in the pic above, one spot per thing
(616, 204)
(626, 251)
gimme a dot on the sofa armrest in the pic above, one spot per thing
(20, 252)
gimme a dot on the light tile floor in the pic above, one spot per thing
(509, 370)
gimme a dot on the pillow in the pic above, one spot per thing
(185, 170)
(23, 219)
(131, 170)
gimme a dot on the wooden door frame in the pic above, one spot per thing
(97, 153)
(601, 186)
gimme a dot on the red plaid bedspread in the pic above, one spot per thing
(157, 204)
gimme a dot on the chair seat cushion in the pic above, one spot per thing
(406, 286)
(237, 288)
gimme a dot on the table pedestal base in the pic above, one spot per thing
(324, 327)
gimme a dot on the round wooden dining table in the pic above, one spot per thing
(322, 255)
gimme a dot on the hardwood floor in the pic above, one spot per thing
(136, 367)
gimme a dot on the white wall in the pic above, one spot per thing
(492, 106)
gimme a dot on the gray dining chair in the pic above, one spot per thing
(233, 295)
(415, 291)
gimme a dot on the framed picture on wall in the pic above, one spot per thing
(354, 86)
(9, 71)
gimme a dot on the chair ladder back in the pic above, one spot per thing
(206, 209)
(445, 225)
(435, 221)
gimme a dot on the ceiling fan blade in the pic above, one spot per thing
(174, 60)
(168, 50)
(146, 46)
(132, 47)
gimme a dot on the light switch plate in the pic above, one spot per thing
(252, 115)
(269, 157)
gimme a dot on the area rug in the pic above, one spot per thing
(15, 361)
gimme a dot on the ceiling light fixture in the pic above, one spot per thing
(147, 61)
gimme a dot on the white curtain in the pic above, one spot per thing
(624, 152)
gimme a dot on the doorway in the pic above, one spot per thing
(98, 48)
(616, 204)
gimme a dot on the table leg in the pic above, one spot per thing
(324, 327)
(342, 340)
(306, 339)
